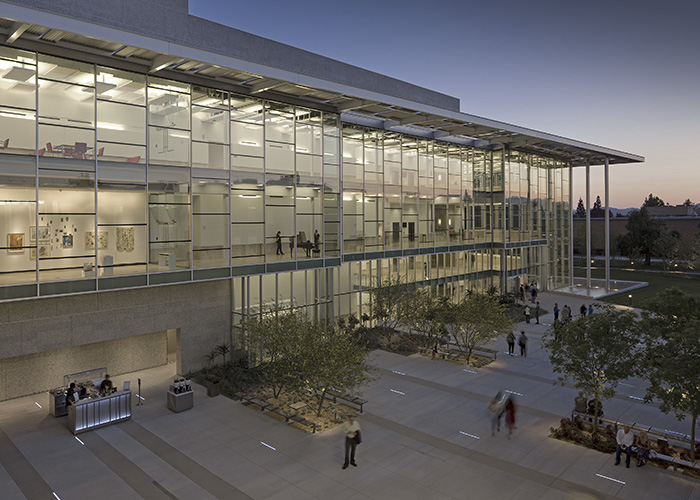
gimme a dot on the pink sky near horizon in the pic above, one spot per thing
(623, 74)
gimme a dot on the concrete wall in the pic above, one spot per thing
(33, 373)
(32, 332)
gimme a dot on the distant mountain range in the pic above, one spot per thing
(622, 211)
(625, 211)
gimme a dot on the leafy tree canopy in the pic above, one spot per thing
(476, 321)
(642, 233)
(653, 201)
(333, 359)
(595, 352)
(670, 322)
(597, 210)
(425, 314)
(580, 209)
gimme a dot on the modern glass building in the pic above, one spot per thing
(239, 172)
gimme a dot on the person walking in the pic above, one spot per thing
(278, 242)
(352, 431)
(510, 339)
(496, 410)
(526, 312)
(590, 309)
(522, 294)
(510, 416)
(522, 342)
(582, 310)
(537, 313)
(556, 311)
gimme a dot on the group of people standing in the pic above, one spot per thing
(307, 245)
(564, 315)
(528, 313)
(522, 343)
(529, 291)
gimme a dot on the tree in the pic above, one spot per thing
(688, 203)
(332, 359)
(425, 314)
(653, 201)
(388, 304)
(279, 335)
(580, 209)
(595, 352)
(668, 247)
(476, 321)
(597, 210)
(670, 322)
(642, 233)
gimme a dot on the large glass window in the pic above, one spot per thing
(210, 222)
(67, 209)
(18, 221)
(169, 218)
(121, 239)
(17, 79)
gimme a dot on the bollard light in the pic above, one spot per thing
(630, 297)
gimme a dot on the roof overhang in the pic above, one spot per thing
(55, 34)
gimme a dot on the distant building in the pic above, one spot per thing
(677, 211)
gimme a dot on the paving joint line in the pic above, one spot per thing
(484, 459)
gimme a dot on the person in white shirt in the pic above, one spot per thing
(351, 428)
(625, 439)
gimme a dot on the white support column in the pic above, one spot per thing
(571, 225)
(607, 224)
(588, 224)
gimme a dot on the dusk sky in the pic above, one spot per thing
(623, 74)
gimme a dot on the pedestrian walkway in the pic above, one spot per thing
(426, 434)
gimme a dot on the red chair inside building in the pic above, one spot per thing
(80, 150)
(5, 143)
(133, 159)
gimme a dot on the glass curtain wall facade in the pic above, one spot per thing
(111, 179)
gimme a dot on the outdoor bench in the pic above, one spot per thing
(348, 398)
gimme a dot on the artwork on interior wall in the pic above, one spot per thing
(44, 251)
(44, 233)
(102, 240)
(125, 239)
(15, 242)
(67, 241)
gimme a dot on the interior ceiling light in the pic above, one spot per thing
(102, 87)
(19, 74)
(23, 87)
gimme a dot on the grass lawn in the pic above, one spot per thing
(658, 281)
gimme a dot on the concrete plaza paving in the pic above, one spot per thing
(426, 435)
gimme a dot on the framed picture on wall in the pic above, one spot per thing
(67, 241)
(102, 240)
(15, 242)
(43, 233)
(44, 251)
